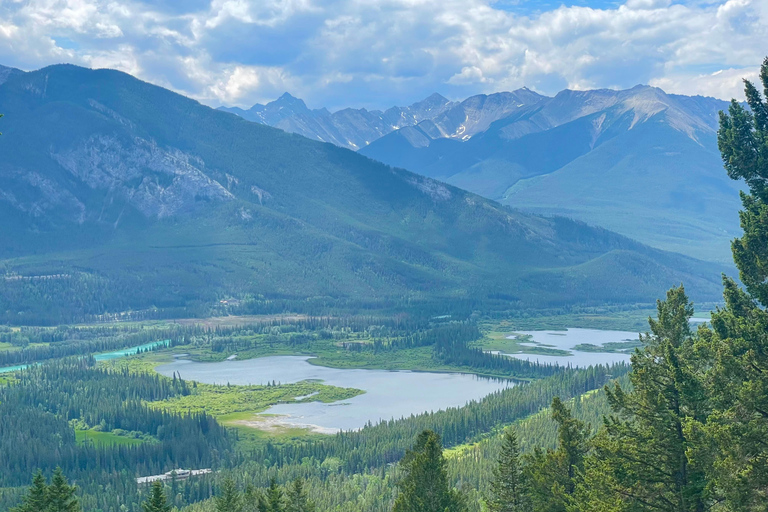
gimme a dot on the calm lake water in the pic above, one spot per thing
(388, 394)
(566, 340)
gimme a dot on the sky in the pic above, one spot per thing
(380, 53)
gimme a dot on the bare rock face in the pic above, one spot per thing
(434, 189)
(158, 182)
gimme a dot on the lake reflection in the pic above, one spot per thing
(388, 394)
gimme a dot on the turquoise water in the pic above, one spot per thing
(13, 368)
(107, 356)
(130, 351)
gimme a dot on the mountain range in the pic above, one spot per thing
(133, 196)
(640, 162)
(356, 128)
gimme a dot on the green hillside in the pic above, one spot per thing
(686, 208)
(136, 197)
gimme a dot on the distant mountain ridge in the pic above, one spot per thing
(143, 198)
(348, 128)
(356, 128)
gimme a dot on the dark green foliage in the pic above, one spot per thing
(229, 498)
(37, 498)
(738, 342)
(35, 433)
(643, 455)
(551, 477)
(508, 493)
(424, 486)
(297, 499)
(274, 499)
(253, 499)
(156, 502)
(743, 141)
(61, 495)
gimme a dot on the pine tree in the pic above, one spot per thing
(156, 501)
(274, 498)
(229, 498)
(642, 455)
(61, 495)
(424, 487)
(36, 499)
(739, 337)
(506, 487)
(297, 499)
(253, 500)
(550, 477)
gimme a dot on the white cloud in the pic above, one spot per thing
(235, 83)
(380, 52)
(647, 4)
(725, 83)
(468, 75)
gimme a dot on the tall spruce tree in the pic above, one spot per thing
(739, 342)
(36, 499)
(61, 495)
(507, 492)
(297, 499)
(274, 499)
(550, 477)
(229, 498)
(253, 499)
(425, 488)
(156, 501)
(642, 455)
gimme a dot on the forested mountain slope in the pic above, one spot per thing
(641, 162)
(134, 196)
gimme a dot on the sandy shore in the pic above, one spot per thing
(278, 423)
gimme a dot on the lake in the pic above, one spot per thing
(388, 394)
(566, 340)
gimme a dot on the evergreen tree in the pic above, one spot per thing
(297, 499)
(36, 499)
(229, 498)
(424, 488)
(156, 502)
(253, 500)
(551, 476)
(642, 455)
(273, 501)
(739, 337)
(61, 495)
(506, 487)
